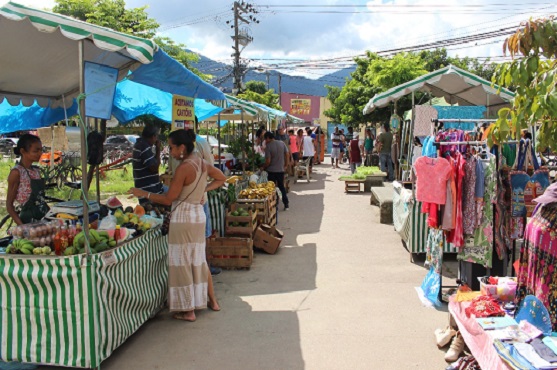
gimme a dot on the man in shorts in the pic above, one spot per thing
(335, 151)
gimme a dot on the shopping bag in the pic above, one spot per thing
(431, 286)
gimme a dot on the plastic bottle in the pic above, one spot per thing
(64, 239)
(57, 242)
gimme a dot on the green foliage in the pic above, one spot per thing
(135, 21)
(269, 98)
(256, 86)
(375, 74)
(533, 73)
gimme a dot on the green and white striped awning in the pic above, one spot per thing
(454, 84)
(39, 54)
(262, 112)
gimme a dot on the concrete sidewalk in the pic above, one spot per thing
(339, 294)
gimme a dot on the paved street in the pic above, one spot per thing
(338, 295)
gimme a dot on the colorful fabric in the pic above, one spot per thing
(525, 189)
(537, 272)
(469, 197)
(188, 271)
(434, 250)
(456, 236)
(510, 355)
(502, 210)
(480, 250)
(449, 210)
(432, 175)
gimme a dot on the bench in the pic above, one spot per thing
(383, 198)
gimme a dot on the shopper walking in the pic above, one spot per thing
(354, 154)
(294, 148)
(276, 162)
(190, 286)
(309, 149)
(385, 141)
(335, 150)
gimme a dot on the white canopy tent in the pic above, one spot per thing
(454, 84)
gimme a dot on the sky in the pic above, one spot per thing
(291, 30)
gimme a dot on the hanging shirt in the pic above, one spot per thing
(432, 175)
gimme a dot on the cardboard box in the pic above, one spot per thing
(267, 238)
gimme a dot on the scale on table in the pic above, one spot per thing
(72, 207)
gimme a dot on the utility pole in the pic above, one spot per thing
(279, 89)
(241, 39)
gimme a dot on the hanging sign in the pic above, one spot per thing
(100, 87)
(395, 122)
(183, 113)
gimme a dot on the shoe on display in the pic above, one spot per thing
(444, 336)
(215, 270)
(456, 348)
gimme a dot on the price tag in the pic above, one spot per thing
(109, 258)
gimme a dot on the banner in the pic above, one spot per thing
(183, 113)
(300, 107)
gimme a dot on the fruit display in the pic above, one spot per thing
(99, 241)
(233, 179)
(25, 246)
(258, 191)
(241, 212)
(131, 220)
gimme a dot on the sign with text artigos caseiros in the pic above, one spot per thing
(183, 113)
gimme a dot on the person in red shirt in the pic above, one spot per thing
(354, 154)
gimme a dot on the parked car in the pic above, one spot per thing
(7, 145)
(120, 142)
(214, 143)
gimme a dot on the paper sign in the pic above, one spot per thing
(183, 113)
(109, 258)
(100, 87)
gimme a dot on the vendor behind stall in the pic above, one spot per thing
(26, 188)
(146, 163)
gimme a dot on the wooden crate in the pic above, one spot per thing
(266, 208)
(250, 220)
(230, 252)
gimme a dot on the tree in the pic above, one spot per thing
(533, 72)
(256, 86)
(113, 14)
(269, 98)
(375, 74)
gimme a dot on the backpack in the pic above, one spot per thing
(94, 148)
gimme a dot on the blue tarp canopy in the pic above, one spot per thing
(133, 100)
(130, 101)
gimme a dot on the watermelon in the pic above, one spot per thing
(113, 203)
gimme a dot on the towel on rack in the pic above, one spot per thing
(422, 122)
(457, 112)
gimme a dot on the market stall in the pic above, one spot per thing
(96, 305)
(464, 223)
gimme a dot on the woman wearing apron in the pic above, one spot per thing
(25, 185)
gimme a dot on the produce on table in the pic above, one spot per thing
(372, 170)
(258, 191)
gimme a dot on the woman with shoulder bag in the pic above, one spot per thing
(189, 278)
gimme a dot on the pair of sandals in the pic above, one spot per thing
(190, 315)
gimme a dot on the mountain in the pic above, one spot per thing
(292, 84)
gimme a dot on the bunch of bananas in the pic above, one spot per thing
(233, 179)
(258, 191)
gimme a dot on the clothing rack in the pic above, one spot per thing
(470, 142)
(435, 120)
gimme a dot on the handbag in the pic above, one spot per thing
(165, 227)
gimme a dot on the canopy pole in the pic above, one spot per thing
(51, 147)
(97, 169)
(244, 154)
(84, 182)
(411, 140)
(218, 137)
